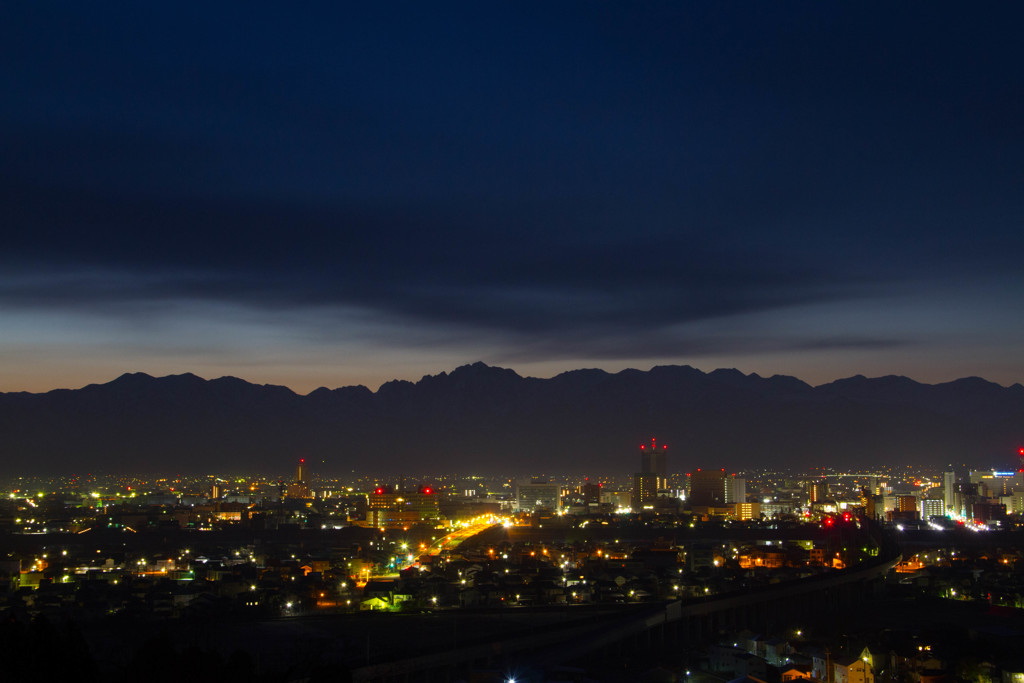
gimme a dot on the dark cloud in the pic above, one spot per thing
(113, 248)
(555, 177)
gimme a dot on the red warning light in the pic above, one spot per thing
(828, 521)
(427, 490)
(379, 490)
(846, 517)
(302, 460)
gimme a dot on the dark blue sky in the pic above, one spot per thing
(324, 196)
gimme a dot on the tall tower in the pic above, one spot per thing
(654, 460)
(949, 491)
(653, 474)
(298, 488)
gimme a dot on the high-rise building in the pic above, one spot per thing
(948, 489)
(653, 474)
(707, 488)
(387, 507)
(537, 494)
(817, 491)
(906, 503)
(654, 459)
(994, 484)
(933, 507)
(591, 494)
(645, 489)
(735, 489)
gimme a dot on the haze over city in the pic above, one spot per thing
(339, 196)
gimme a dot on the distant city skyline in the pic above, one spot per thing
(358, 194)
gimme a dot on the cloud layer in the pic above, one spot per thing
(513, 182)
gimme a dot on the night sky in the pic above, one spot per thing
(318, 196)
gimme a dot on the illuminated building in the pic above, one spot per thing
(653, 475)
(851, 670)
(745, 511)
(387, 507)
(817, 491)
(948, 489)
(767, 557)
(994, 484)
(645, 489)
(298, 488)
(538, 494)
(1014, 503)
(617, 499)
(735, 489)
(932, 508)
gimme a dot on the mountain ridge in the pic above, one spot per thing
(490, 419)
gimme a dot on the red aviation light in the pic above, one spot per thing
(379, 490)
(427, 490)
(302, 460)
(663, 446)
(846, 517)
(828, 521)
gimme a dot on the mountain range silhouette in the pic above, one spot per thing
(480, 419)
